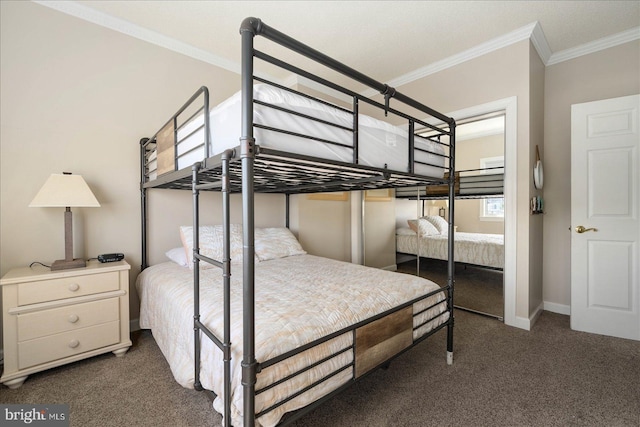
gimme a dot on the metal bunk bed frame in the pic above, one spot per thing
(478, 183)
(221, 173)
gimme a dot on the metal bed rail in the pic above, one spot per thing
(434, 135)
(290, 417)
(188, 113)
(148, 153)
(480, 183)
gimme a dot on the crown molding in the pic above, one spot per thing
(505, 40)
(595, 46)
(532, 32)
(125, 27)
(539, 42)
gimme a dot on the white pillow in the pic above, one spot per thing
(178, 256)
(404, 231)
(439, 223)
(272, 243)
(424, 227)
(211, 243)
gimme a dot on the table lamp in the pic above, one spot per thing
(65, 191)
(442, 206)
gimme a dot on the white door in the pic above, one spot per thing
(605, 224)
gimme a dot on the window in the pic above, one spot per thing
(492, 208)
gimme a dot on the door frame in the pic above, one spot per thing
(510, 108)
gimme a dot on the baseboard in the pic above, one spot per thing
(527, 323)
(393, 267)
(134, 325)
(521, 323)
(536, 314)
(557, 308)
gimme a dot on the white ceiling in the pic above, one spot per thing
(391, 41)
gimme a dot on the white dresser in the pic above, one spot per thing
(51, 318)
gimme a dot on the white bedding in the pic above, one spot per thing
(380, 143)
(471, 248)
(298, 299)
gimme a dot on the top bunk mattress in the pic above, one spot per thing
(279, 126)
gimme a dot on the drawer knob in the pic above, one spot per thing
(74, 343)
(73, 318)
(74, 287)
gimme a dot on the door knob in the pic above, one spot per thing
(581, 229)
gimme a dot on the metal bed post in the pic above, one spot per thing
(196, 276)
(226, 277)
(247, 156)
(356, 148)
(175, 142)
(143, 201)
(450, 256)
(287, 208)
(412, 127)
(418, 231)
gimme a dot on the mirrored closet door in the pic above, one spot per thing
(479, 221)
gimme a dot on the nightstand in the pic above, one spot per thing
(51, 318)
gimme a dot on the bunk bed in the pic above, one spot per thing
(232, 279)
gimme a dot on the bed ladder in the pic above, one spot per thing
(225, 265)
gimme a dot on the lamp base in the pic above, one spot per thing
(63, 264)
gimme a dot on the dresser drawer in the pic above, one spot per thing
(54, 347)
(67, 287)
(72, 317)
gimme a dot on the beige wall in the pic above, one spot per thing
(536, 129)
(324, 226)
(606, 74)
(379, 229)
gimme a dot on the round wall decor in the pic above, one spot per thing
(538, 172)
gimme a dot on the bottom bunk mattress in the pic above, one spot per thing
(471, 248)
(298, 299)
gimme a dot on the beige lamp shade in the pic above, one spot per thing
(439, 207)
(64, 190)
